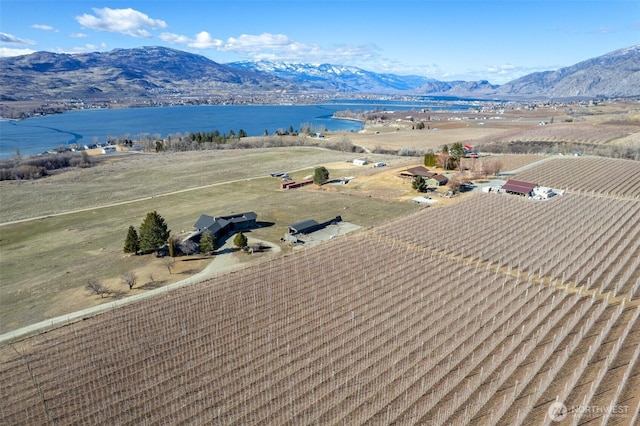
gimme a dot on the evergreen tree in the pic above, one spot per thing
(207, 242)
(320, 175)
(240, 240)
(419, 184)
(132, 242)
(153, 232)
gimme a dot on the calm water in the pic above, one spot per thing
(38, 134)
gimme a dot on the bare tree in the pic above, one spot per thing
(95, 286)
(491, 167)
(455, 182)
(168, 262)
(129, 278)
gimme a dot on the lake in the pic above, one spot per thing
(39, 134)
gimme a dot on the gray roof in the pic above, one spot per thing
(204, 222)
(217, 224)
(304, 226)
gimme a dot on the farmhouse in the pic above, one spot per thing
(221, 225)
(414, 172)
(517, 187)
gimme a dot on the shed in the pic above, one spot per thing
(518, 187)
(437, 180)
(304, 227)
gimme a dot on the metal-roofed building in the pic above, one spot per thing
(304, 227)
(518, 187)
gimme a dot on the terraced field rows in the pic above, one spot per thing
(605, 176)
(456, 315)
(577, 240)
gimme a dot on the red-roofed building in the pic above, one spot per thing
(519, 187)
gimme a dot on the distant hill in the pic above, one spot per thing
(150, 72)
(140, 72)
(616, 74)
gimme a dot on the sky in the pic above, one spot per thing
(497, 40)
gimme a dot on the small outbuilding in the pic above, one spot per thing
(304, 227)
(517, 187)
(437, 180)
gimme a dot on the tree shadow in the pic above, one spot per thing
(151, 285)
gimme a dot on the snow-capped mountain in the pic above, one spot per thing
(336, 77)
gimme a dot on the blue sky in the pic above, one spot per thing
(496, 40)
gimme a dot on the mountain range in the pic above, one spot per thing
(150, 72)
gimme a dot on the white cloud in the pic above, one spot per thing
(44, 27)
(250, 44)
(124, 21)
(78, 35)
(6, 52)
(501, 69)
(275, 47)
(87, 48)
(202, 40)
(11, 39)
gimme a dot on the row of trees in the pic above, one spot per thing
(34, 167)
(152, 236)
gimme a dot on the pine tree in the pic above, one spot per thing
(153, 232)
(207, 242)
(132, 242)
(419, 184)
(240, 240)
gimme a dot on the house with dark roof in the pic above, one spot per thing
(414, 172)
(437, 180)
(518, 187)
(222, 224)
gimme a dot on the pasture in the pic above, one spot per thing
(46, 262)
